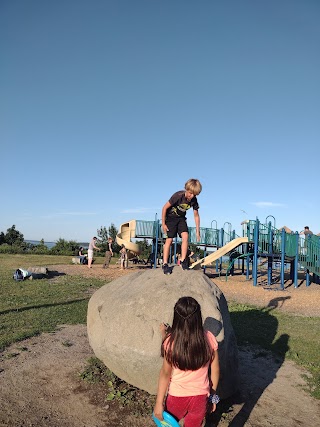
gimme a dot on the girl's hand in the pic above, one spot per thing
(165, 228)
(158, 410)
(164, 329)
(211, 407)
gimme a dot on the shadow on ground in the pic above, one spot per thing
(256, 329)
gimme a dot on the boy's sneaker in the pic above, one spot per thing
(184, 265)
(166, 269)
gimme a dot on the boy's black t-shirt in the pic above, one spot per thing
(179, 205)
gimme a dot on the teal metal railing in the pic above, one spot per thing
(308, 249)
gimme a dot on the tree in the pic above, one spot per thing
(145, 247)
(103, 234)
(65, 247)
(13, 237)
(113, 231)
(2, 238)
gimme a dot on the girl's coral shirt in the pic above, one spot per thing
(191, 383)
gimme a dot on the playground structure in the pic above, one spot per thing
(126, 233)
(259, 241)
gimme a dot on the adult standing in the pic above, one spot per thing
(92, 246)
(109, 254)
(306, 232)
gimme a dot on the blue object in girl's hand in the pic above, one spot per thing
(168, 420)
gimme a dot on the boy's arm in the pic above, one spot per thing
(164, 379)
(164, 214)
(197, 221)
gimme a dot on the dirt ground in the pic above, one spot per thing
(40, 384)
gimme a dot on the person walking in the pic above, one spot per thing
(188, 353)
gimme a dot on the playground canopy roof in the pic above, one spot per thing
(287, 229)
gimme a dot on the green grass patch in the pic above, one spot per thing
(31, 307)
(289, 337)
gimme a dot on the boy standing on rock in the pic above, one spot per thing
(174, 220)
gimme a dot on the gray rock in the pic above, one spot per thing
(124, 317)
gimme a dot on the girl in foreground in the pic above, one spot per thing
(188, 353)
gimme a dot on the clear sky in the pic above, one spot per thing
(107, 107)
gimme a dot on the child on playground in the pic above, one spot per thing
(123, 257)
(174, 220)
(188, 352)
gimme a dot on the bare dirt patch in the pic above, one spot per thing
(40, 383)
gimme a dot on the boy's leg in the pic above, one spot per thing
(166, 250)
(184, 245)
(184, 234)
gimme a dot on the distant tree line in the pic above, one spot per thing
(12, 242)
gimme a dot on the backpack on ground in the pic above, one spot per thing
(18, 275)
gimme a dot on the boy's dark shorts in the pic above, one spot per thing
(176, 226)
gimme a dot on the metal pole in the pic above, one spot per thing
(270, 253)
(216, 231)
(274, 220)
(296, 259)
(215, 222)
(157, 223)
(283, 254)
(255, 252)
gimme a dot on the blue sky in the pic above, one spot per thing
(107, 108)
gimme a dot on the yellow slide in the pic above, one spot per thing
(126, 233)
(219, 253)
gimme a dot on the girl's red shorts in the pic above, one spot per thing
(191, 408)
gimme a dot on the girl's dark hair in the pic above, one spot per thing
(187, 347)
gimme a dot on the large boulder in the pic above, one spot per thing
(124, 317)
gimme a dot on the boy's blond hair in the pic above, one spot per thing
(194, 186)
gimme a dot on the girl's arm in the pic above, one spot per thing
(164, 379)
(215, 373)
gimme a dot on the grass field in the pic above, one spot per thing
(31, 307)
